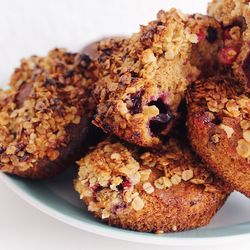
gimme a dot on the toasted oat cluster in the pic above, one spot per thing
(149, 191)
(143, 78)
(219, 129)
(44, 116)
(235, 54)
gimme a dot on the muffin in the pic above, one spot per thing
(142, 79)
(148, 191)
(219, 129)
(45, 115)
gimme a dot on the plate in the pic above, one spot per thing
(57, 198)
(73, 24)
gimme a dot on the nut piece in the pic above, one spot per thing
(137, 203)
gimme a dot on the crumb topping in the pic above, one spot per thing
(47, 96)
(113, 178)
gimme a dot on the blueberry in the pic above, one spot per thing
(212, 34)
(159, 123)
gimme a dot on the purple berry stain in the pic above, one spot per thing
(136, 100)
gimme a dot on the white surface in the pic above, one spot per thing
(33, 27)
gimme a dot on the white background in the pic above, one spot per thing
(33, 27)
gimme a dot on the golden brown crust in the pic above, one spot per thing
(169, 190)
(218, 124)
(143, 78)
(44, 117)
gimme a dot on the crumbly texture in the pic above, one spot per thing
(45, 115)
(235, 54)
(164, 191)
(219, 129)
(142, 79)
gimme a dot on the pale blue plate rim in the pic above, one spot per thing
(62, 210)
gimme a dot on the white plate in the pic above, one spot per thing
(34, 27)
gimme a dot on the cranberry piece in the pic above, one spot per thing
(201, 36)
(159, 123)
(246, 69)
(228, 55)
(136, 100)
(126, 184)
(96, 188)
(212, 34)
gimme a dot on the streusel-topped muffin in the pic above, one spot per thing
(219, 129)
(142, 79)
(46, 113)
(165, 191)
